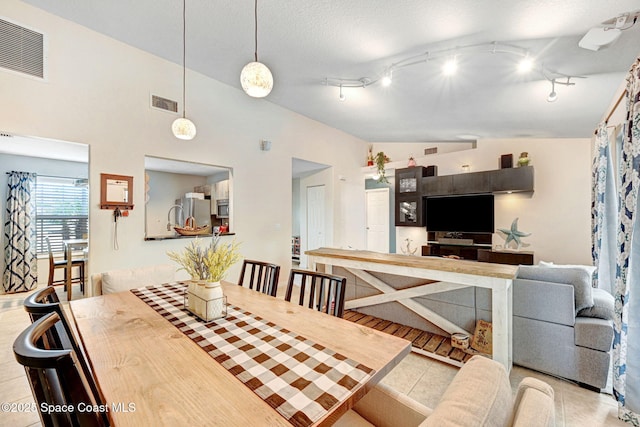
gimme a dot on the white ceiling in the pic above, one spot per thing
(305, 41)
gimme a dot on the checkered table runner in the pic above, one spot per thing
(300, 379)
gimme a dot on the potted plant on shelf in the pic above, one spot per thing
(380, 160)
(207, 266)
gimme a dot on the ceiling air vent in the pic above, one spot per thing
(21, 49)
(433, 150)
(164, 103)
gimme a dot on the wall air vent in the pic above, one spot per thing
(164, 103)
(433, 150)
(21, 49)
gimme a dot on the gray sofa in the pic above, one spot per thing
(561, 325)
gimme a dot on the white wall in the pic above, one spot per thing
(401, 151)
(557, 213)
(97, 92)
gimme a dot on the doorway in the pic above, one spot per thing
(377, 220)
(315, 217)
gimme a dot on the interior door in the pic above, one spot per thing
(315, 217)
(378, 220)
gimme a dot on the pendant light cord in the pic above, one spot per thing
(184, 55)
(255, 16)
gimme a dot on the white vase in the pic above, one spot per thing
(213, 301)
(199, 297)
(191, 299)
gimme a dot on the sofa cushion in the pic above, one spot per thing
(593, 333)
(603, 306)
(479, 395)
(124, 280)
(579, 278)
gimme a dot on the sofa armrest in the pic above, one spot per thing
(534, 404)
(545, 301)
(383, 406)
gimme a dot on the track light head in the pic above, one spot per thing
(525, 65)
(342, 98)
(450, 67)
(387, 78)
(553, 96)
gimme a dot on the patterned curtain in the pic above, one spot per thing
(604, 208)
(21, 272)
(626, 340)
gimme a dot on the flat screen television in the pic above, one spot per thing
(464, 214)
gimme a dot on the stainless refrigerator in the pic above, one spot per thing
(195, 205)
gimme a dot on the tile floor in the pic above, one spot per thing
(421, 378)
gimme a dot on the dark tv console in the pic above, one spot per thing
(479, 250)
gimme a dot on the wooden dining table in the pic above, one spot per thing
(156, 375)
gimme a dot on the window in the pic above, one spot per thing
(62, 211)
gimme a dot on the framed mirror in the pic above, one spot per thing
(116, 191)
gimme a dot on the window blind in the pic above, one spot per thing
(62, 211)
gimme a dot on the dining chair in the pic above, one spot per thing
(43, 302)
(57, 264)
(264, 276)
(61, 336)
(323, 292)
(56, 379)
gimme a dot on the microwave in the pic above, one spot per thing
(222, 210)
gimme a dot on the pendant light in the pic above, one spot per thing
(256, 79)
(182, 127)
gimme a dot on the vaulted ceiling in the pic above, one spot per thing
(306, 41)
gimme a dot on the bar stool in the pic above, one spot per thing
(56, 264)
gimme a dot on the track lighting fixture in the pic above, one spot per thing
(553, 96)
(256, 78)
(449, 57)
(342, 98)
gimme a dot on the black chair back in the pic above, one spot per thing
(321, 291)
(56, 379)
(43, 302)
(263, 276)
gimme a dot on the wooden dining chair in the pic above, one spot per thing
(263, 275)
(57, 264)
(56, 378)
(321, 291)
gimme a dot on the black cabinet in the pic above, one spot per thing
(408, 205)
(495, 181)
(409, 211)
(412, 185)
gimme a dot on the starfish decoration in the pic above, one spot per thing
(513, 234)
